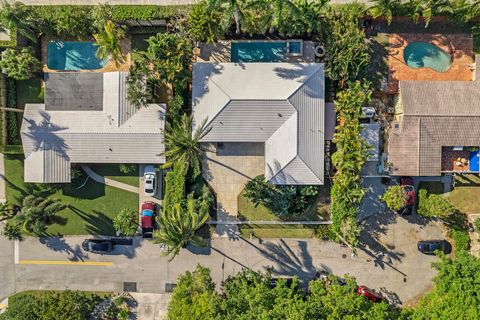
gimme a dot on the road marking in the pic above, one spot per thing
(68, 263)
(16, 251)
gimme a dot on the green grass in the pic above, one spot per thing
(112, 171)
(91, 208)
(30, 91)
(466, 193)
(265, 233)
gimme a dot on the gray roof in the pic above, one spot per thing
(74, 91)
(436, 114)
(280, 104)
(119, 133)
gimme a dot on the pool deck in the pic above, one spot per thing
(459, 46)
(110, 67)
(221, 52)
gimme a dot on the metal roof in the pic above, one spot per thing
(281, 104)
(119, 133)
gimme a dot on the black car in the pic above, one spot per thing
(98, 245)
(430, 246)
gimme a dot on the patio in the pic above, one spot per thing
(459, 46)
(454, 160)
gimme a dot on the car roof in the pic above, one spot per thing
(148, 205)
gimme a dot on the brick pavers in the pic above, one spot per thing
(459, 46)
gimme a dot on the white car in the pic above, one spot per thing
(150, 181)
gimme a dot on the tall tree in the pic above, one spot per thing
(231, 9)
(109, 43)
(37, 212)
(182, 145)
(177, 228)
(17, 16)
(385, 8)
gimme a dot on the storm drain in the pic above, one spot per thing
(130, 286)
(170, 286)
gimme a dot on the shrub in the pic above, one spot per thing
(126, 222)
(461, 240)
(434, 205)
(280, 200)
(147, 12)
(174, 187)
(324, 232)
(12, 231)
(19, 64)
(203, 23)
(476, 224)
(127, 168)
(394, 198)
(13, 137)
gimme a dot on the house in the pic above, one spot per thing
(278, 104)
(437, 128)
(87, 118)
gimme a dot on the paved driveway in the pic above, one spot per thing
(388, 261)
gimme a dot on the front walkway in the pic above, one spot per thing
(109, 182)
(226, 170)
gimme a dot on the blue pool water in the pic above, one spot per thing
(264, 51)
(474, 161)
(426, 55)
(71, 55)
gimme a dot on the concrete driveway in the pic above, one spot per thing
(387, 261)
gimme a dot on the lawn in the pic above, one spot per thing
(466, 193)
(318, 211)
(112, 171)
(29, 91)
(91, 208)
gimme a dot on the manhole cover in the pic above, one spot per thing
(130, 286)
(170, 286)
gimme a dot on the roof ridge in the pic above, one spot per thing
(304, 82)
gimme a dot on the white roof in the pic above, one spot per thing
(120, 133)
(281, 104)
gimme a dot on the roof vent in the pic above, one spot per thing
(280, 115)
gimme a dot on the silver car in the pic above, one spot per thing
(150, 181)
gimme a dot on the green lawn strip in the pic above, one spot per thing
(112, 171)
(91, 208)
(269, 232)
(29, 91)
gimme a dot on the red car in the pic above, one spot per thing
(408, 188)
(369, 294)
(147, 219)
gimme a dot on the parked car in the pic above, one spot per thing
(147, 219)
(430, 246)
(408, 188)
(369, 294)
(150, 181)
(98, 245)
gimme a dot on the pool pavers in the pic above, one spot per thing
(460, 46)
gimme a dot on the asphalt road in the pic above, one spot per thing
(388, 262)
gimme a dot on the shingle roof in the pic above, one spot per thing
(119, 133)
(281, 104)
(436, 114)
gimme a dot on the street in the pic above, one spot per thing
(388, 262)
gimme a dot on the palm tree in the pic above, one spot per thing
(183, 146)
(428, 8)
(37, 212)
(177, 228)
(108, 43)
(12, 231)
(231, 9)
(274, 14)
(384, 8)
(307, 17)
(6, 211)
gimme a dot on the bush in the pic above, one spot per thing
(461, 240)
(394, 198)
(203, 23)
(127, 168)
(174, 187)
(434, 205)
(279, 199)
(13, 137)
(147, 12)
(19, 64)
(126, 222)
(324, 232)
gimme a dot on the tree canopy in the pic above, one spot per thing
(19, 64)
(394, 198)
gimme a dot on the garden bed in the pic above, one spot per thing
(91, 208)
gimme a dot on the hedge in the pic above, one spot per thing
(174, 187)
(461, 240)
(13, 132)
(10, 43)
(147, 12)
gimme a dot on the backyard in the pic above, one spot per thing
(91, 207)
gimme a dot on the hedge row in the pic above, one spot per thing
(174, 187)
(13, 132)
(147, 12)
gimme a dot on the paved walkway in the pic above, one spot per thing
(109, 182)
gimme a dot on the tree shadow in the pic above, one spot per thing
(59, 244)
(97, 223)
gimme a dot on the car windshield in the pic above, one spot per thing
(408, 188)
(149, 190)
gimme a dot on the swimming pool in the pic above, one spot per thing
(265, 51)
(75, 56)
(426, 55)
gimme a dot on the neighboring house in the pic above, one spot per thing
(87, 118)
(278, 104)
(437, 128)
